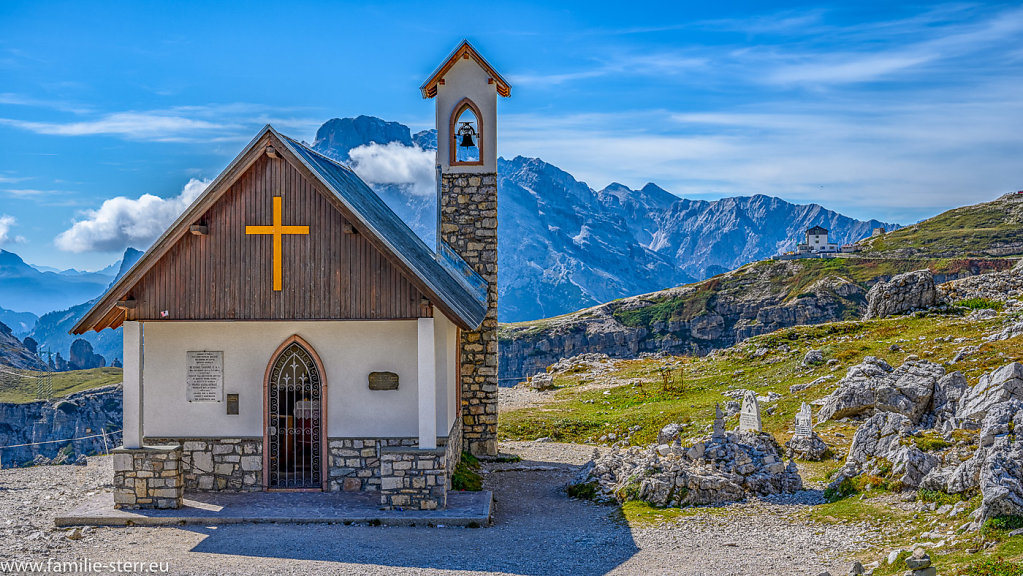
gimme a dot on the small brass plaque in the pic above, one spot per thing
(383, 381)
(232, 404)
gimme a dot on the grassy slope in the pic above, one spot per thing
(981, 230)
(791, 279)
(578, 415)
(64, 383)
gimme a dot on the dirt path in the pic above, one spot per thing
(537, 530)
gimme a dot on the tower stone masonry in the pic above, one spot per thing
(468, 224)
(465, 87)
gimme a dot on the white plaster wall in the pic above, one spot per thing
(348, 350)
(466, 79)
(445, 334)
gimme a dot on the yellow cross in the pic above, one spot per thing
(277, 230)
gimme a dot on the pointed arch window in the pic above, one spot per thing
(466, 140)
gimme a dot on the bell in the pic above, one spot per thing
(467, 141)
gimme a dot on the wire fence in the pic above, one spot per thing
(10, 378)
(108, 436)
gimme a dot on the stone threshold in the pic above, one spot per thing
(220, 508)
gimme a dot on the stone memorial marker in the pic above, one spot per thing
(749, 417)
(719, 423)
(804, 421)
(204, 376)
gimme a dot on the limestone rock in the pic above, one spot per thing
(813, 358)
(874, 385)
(811, 448)
(903, 293)
(715, 470)
(1003, 384)
(669, 434)
(878, 447)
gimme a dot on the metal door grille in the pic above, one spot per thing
(293, 427)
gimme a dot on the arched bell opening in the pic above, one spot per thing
(466, 140)
(295, 419)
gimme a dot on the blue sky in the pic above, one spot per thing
(876, 109)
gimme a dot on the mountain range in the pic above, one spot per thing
(565, 246)
(24, 288)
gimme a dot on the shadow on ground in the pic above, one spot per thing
(537, 530)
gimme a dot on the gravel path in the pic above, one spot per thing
(538, 530)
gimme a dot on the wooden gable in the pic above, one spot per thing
(211, 269)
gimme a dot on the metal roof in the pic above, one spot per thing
(469, 304)
(817, 230)
(454, 291)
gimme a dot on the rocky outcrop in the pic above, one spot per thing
(903, 293)
(811, 448)
(995, 387)
(14, 354)
(881, 447)
(82, 357)
(727, 467)
(874, 385)
(54, 421)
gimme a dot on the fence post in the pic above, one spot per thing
(106, 448)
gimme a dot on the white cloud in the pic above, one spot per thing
(6, 223)
(121, 222)
(408, 166)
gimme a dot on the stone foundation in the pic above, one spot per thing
(468, 224)
(220, 464)
(148, 477)
(354, 463)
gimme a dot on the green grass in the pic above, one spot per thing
(979, 230)
(466, 475)
(981, 304)
(22, 390)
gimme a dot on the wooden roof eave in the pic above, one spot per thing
(97, 316)
(105, 314)
(429, 88)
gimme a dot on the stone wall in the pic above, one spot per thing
(468, 223)
(149, 477)
(413, 478)
(354, 463)
(219, 464)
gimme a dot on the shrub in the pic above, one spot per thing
(583, 491)
(1004, 523)
(844, 489)
(940, 498)
(981, 303)
(466, 475)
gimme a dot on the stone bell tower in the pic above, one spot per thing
(466, 88)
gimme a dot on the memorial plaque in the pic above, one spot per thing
(383, 381)
(204, 376)
(804, 421)
(232, 404)
(749, 417)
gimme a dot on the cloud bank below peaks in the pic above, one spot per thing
(409, 167)
(121, 222)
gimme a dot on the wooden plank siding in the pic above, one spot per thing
(228, 275)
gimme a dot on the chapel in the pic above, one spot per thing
(288, 332)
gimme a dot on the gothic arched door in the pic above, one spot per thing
(294, 425)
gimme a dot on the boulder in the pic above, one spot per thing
(811, 448)
(903, 293)
(1000, 385)
(669, 434)
(880, 446)
(715, 470)
(1001, 479)
(948, 391)
(874, 386)
(813, 358)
